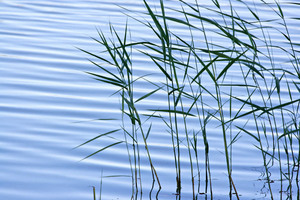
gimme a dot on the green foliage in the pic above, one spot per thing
(196, 76)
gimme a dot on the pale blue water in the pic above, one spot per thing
(47, 103)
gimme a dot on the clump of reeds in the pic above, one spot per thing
(197, 69)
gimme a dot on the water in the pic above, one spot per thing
(48, 103)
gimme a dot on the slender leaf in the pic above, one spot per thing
(101, 135)
(111, 145)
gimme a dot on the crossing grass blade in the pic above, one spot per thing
(230, 64)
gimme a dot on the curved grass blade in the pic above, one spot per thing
(96, 56)
(108, 80)
(107, 71)
(288, 133)
(230, 64)
(111, 145)
(252, 135)
(282, 105)
(147, 95)
(173, 111)
(162, 69)
(101, 135)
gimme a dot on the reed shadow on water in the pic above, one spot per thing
(199, 95)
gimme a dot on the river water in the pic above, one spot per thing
(48, 106)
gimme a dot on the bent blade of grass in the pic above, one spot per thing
(162, 69)
(288, 133)
(277, 84)
(107, 71)
(251, 67)
(130, 135)
(178, 21)
(216, 3)
(147, 95)
(101, 135)
(99, 119)
(242, 115)
(296, 85)
(179, 96)
(234, 139)
(206, 90)
(280, 10)
(206, 68)
(266, 153)
(173, 111)
(251, 104)
(252, 135)
(282, 105)
(236, 85)
(96, 56)
(111, 145)
(230, 64)
(108, 80)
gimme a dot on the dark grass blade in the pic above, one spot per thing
(282, 105)
(109, 80)
(101, 135)
(96, 56)
(230, 64)
(148, 132)
(252, 135)
(156, 22)
(111, 145)
(130, 135)
(173, 111)
(147, 95)
(288, 133)
(107, 71)
(162, 69)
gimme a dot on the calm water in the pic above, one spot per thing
(47, 103)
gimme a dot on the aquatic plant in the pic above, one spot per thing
(196, 69)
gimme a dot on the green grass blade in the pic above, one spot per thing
(111, 145)
(252, 135)
(155, 20)
(107, 71)
(282, 105)
(96, 56)
(146, 95)
(173, 111)
(108, 80)
(162, 69)
(206, 68)
(288, 133)
(101, 135)
(148, 132)
(230, 64)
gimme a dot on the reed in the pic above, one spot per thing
(198, 89)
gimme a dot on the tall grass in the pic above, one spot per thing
(199, 92)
